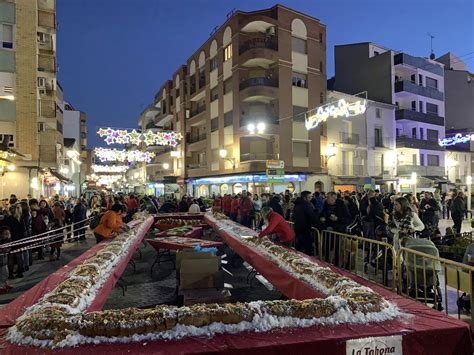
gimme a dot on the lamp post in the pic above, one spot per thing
(469, 192)
(413, 180)
(223, 155)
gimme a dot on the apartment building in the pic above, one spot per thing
(459, 104)
(415, 85)
(361, 148)
(239, 100)
(30, 115)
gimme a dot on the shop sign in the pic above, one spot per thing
(390, 345)
(275, 164)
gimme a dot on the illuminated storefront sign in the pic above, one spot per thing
(456, 139)
(122, 136)
(244, 179)
(104, 154)
(341, 109)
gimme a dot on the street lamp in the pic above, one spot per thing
(259, 128)
(166, 166)
(469, 192)
(413, 181)
(223, 155)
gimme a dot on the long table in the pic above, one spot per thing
(426, 331)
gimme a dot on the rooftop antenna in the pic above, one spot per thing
(432, 55)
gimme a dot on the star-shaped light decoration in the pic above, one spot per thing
(102, 132)
(149, 138)
(134, 137)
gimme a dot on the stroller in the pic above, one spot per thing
(414, 267)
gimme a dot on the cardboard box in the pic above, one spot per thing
(189, 254)
(198, 270)
(191, 297)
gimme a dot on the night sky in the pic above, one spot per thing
(113, 55)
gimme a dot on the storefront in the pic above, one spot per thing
(234, 184)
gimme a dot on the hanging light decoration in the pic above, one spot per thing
(122, 136)
(131, 156)
(109, 168)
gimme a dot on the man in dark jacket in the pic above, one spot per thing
(78, 219)
(428, 209)
(305, 216)
(273, 202)
(335, 215)
(457, 211)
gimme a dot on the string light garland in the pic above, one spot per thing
(341, 109)
(122, 136)
(110, 168)
(132, 156)
(456, 139)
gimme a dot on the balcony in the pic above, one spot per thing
(408, 142)
(417, 62)
(46, 47)
(197, 110)
(269, 43)
(197, 169)
(405, 114)
(262, 81)
(48, 5)
(420, 170)
(349, 170)
(383, 142)
(46, 63)
(347, 138)
(257, 156)
(194, 138)
(413, 88)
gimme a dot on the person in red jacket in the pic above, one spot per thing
(246, 208)
(217, 203)
(234, 208)
(226, 204)
(278, 226)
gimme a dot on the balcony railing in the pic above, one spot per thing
(257, 156)
(195, 138)
(46, 63)
(347, 138)
(420, 170)
(350, 170)
(382, 142)
(202, 165)
(406, 114)
(197, 110)
(417, 62)
(413, 88)
(408, 142)
(262, 81)
(244, 121)
(270, 43)
(46, 19)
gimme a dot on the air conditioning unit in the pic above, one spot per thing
(41, 82)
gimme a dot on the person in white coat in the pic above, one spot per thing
(405, 222)
(194, 208)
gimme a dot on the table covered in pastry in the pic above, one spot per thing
(423, 330)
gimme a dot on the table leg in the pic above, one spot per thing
(157, 261)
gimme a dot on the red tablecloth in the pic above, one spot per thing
(16, 308)
(426, 332)
(164, 244)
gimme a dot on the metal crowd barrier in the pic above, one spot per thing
(368, 258)
(424, 277)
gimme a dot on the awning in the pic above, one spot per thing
(436, 179)
(60, 176)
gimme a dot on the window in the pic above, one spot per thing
(431, 108)
(432, 82)
(321, 98)
(300, 80)
(11, 142)
(432, 135)
(214, 63)
(378, 137)
(413, 132)
(421, 133)
(413, 159)
(422, 159)
(320, 37)
(420, 79)
(299, 113)
(202, 77)
(420, 106)
(227, 86)
(321, 66)
(214, 94)
(228, 119)
(413, 105)
(214, 124)
(301, 149)
(192, 81)
(377, 112)
(227, 52)
(433, 160)
(298, 45)
(7, 38)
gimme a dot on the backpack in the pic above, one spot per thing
(95, 221)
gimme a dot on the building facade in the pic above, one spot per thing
(30, 114)
(240, 101)
(362, 148)
(415, 86)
